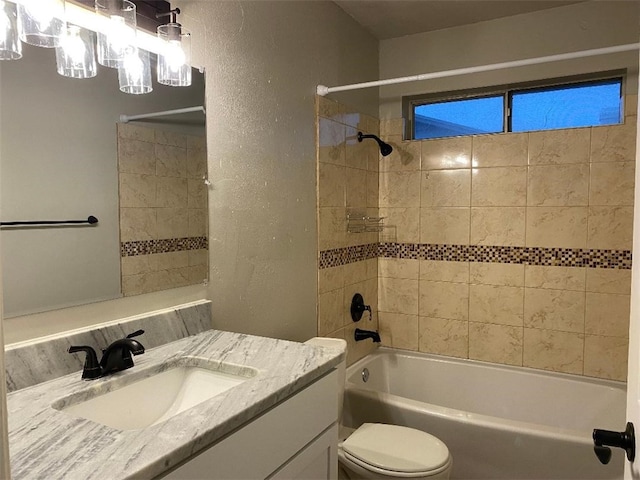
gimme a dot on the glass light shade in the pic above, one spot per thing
(76, 55)
(174, 61)
(120, 18)
(134, 74)
(10, 45)
(41, 23)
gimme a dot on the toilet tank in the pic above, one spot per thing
(338, 344)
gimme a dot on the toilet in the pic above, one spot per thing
(382, 451)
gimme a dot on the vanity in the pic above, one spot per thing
(274, 418)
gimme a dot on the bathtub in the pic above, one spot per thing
(499, 422)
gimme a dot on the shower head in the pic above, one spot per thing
(385, 148)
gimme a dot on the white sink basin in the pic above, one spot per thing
(154, 399)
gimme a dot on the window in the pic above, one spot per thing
(518, 108)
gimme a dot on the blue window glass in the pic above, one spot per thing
(459, 117)
(577, 105)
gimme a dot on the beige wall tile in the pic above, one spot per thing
(606, 357)
(171, 161)
(495, 343)
(446, 153)
(172, 192)
(355, 272)
(356, 153)
(135, 156)
(559, 146)
(372, 268)
(444, 336)
(605, 280)
(392, 126)
(404, 157)
(610, 228)
(496, 304)
(561, 278)
(552, 350)
(511, 275)
(373, 157)
(198, 257)
(198, 222)
(444, 300)
(399, 331)
(331, 142)
(615, 143)
(560, 227)
(445, 225)
(500, 150)
(330, 279)
(138, 224)
(554, 310)
(612, 183)
(173, 222)
(369, 291)
(401, 224)
(497, 226)
(330, 109)
(441, 271)
(558, 185)
(135, 284)
(137, 190)
(171, 260)
(499, 187)
(446, 188)
(196, 159)
(373, 198)
(136, 132)
(331, 185)
(607, 314)
(398, 295)
(197, 193)
(171, 138)
(398, 268)
(330, 316)
(138, 264)
(332, 227)
(198, 274)
(400, 189)
(356, 188)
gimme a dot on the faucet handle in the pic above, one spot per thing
(91, 368)
(135, 334)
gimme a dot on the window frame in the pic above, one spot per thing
(506, 90)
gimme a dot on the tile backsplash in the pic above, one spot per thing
(163, 209)
(509, 248)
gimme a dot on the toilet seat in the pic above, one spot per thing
(398, 451)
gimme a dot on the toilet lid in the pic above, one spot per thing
(396, 448)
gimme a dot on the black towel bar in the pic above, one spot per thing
(91, 221)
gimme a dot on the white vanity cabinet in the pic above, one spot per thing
(296, 439)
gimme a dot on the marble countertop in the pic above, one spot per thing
(47, 443)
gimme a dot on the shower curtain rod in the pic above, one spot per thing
(128, 118)
(323, 90)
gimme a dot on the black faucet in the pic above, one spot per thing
(115, 358)
(364, 334)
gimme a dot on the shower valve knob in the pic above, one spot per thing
(358, 308)
(603, 439)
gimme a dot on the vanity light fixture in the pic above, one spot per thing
(10, 45)
(175, 57)
(134, 74)
(120, 31)
(41, 23)
(75, 55)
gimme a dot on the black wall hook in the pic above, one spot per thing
(603, 439)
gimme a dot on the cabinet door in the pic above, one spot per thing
(317, 461)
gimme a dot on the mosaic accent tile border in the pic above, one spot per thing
(148, 247)
(559, 257)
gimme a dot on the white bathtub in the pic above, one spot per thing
(499, 422)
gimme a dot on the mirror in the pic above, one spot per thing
(64, 155)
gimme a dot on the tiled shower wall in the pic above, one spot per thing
(163, 209)
(347, 181)
(510, 248)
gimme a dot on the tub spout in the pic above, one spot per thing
(364, 334)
